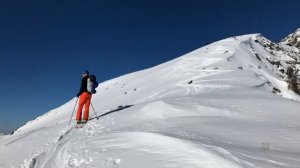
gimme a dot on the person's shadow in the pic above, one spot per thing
(112, 111)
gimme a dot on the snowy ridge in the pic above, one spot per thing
(221, 105)
(293, 39)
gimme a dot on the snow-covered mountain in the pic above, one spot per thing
(224, 105)
(293, 39)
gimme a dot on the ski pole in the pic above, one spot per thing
(73, 112)
(94, 111)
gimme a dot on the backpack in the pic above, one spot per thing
(92, 84)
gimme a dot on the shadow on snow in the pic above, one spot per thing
(120, 108)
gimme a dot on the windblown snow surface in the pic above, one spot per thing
(211, 108)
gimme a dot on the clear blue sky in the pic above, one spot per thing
(45, 45)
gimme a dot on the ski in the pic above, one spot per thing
(79, 125)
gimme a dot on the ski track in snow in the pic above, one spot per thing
(57, 154)
(45, 157)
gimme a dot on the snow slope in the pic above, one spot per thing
(213, 107)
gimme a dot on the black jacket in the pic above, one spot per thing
(83, 86)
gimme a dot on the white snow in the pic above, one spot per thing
(293, 39)
(210, 108)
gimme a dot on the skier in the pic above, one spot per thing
(84, 99)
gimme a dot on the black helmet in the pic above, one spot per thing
(86, 72)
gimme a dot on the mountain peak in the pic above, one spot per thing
(293, 39)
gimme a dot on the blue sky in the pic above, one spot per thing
(45, 45)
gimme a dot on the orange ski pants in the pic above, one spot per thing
(84, 100)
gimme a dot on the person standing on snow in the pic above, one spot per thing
(84, 99)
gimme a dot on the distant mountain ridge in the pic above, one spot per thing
(293, 39)
(284, 58)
